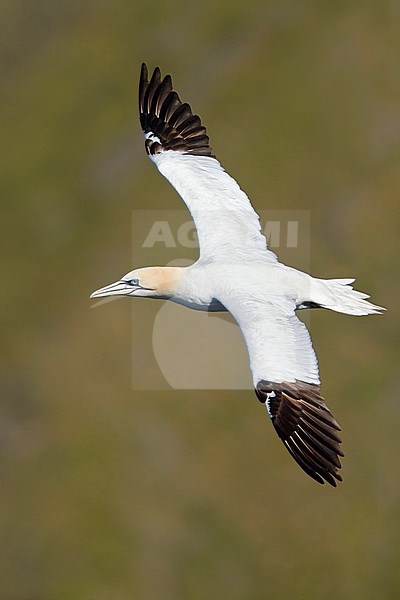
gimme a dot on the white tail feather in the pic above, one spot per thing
(339, 295)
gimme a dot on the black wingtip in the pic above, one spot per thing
(306, 426)
(144, 73)
(163, 114)
(143, 83)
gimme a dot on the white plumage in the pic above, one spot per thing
(237, 272)
(278, 343)
(227, 226)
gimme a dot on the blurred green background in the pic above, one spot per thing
(109, 493)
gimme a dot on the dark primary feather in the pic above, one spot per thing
(305, 425)
(168, 118)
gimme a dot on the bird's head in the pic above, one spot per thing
(151, 282)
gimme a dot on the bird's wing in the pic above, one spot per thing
(285, 374)
(177, 142)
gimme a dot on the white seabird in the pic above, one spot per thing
(237, 273)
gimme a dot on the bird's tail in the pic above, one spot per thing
(339, 295)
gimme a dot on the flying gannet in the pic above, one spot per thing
(237, 273)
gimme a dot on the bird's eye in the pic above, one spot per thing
(134, 282)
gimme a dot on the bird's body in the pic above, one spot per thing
(200, 285)
(237, 273)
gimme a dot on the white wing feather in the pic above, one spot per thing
(278, 343)
(228, 228)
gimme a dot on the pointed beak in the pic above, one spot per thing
(119, 288)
